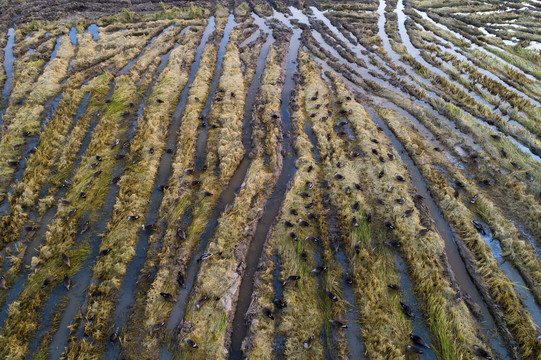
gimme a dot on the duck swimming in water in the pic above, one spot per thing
(482, 352)
(338, 324)
(114, 336)
(414, 349)
(407, 309)
(279, 303)
(48, 281)
(418, 340)
(67, 282)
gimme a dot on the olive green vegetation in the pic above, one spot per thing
(499, 286)
(175, 202)
(23, 317)
(135, 187)
(219, 277)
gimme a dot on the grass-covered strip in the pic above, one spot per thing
(136, 186)
(220, 277)
(450, 322)
(302, 318)
(377, 306)
(499, 286)
(138, 339)
(24, 318)
(28, 118)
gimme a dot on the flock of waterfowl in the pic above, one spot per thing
(271, 180)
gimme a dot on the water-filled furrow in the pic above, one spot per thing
(354, 332)
(94, 30)
(512, 273)
(203, 130)
(31, 143)
(474, 46)
(132, 62)
(126, 296)
(55, 51)
(9, 59)
(271, 208)
(454, 259)
(226, 196)
(418, 323)
(81, 280)
(74, 304)
(20, 281)
(73, 36)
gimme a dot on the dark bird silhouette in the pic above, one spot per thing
(478, 226)
(393, 243)
(354, 222)
(114, 336)
(338, 324)
(482, 352)
(293, 236)
(3, 284)
(309, 184)
(293, 212)
(356, 206)
(414, 349)
(407, 309)
(105, 252)
(66, 260)
(388, 224)
(30, 228)
(181, 234)
(82, 194)
(391, 156)
(304, 194)
(309, 206)
(310, 168)
(133, 217)
(303, 223)
(168, 297)
(381, 173)
(288, 224)
(319, 269)
(418, 340)
(308, 342)
(358, 187)
(157, 327)
(400, 200)
(348, 278)
(358, 248)
(399, 177)
(201, 302)
(67, 282)
(394, 287)
(48, 281)
(312, 216)
(205, 256)
(191, 343)
(160, 101)
(180, 279)
(280, 303)
(268, 313)
(291, 278)
(338, 176)
(331, 295)
(312, 239)
(369, 217)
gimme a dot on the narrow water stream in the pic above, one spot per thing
(203, 129)
(126, 296)
(454, 259)
(9, 59)
(226, 198)
(272, 206)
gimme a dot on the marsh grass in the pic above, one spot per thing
(499, 286)
(136, 186)
(220, 277)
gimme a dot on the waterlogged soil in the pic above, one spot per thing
(467, 129)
